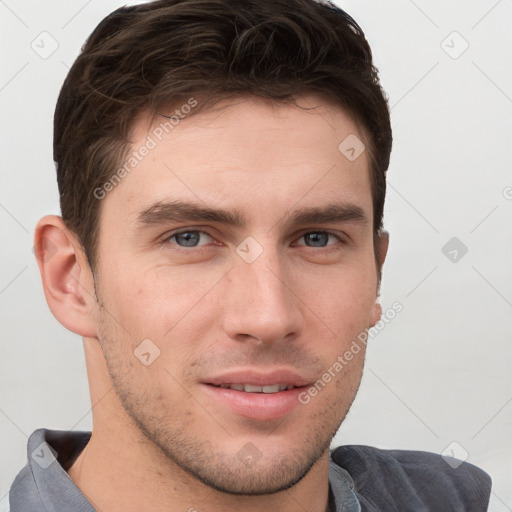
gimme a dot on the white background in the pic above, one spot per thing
(441, 370)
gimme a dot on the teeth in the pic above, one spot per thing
(249, 388)
(270, 389)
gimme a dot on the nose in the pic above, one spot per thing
(260, 303)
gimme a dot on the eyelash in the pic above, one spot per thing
(167, 238)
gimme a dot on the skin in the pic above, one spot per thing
(159, 440)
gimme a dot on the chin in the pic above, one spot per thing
(254, 480)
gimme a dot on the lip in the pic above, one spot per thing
(258, 378)
(256, 406)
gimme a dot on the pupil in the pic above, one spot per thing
(318, 239)
(189, 238)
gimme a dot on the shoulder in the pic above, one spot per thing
(23, 494)
(428, 481)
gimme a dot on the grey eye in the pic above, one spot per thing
(316, 238)
(187, 238)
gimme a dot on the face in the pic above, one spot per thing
(236, 264)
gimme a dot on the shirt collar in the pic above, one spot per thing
(342, 497)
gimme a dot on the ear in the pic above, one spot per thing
(67, 278)
(381, 249)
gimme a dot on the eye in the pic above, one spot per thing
(319, 239)
(189, 238)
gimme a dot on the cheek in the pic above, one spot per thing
(168, 307)
(163, 302)
(345, 301)
(157, 297)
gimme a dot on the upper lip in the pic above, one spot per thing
(258, 378)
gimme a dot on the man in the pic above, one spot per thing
(221, 165)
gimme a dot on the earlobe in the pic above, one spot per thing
(376, 313)
(66, 276)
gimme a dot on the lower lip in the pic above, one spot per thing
(256, 406)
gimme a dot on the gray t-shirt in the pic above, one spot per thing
(361, 479)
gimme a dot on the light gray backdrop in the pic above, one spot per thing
(438, 377)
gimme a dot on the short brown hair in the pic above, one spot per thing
(152, 55)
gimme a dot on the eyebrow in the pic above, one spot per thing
(181, 211)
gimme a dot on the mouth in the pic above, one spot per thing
(254, 395)
(251, 388)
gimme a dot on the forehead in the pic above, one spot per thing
(250, 154)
